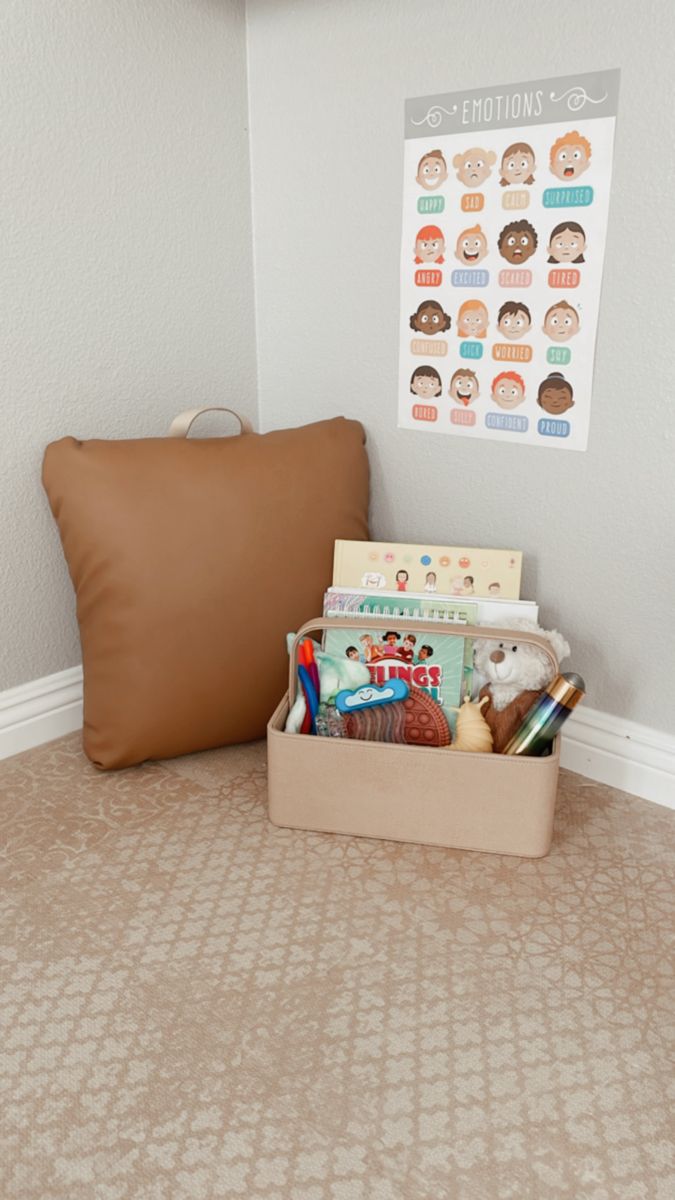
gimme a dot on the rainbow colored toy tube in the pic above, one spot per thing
(542, 722)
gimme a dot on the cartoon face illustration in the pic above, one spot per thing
(352, 652)
(561, 322)
(430, 318)
(432, 171)
(474, 166)
(425, 653)
(518, 242)
(425, 382)
(471, 246)
(514, 320)
(508, 389)
(472, 319)
(517, 165)
(389, 646)
(567, 244)
(464, 386)
(373, 579)
(369, 651)
(555, 394)
(494, 588)
(429, 245)
(570, 156)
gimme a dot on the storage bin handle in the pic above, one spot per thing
(180, 426)
(405, 624)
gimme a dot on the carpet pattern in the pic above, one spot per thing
(196, 1004)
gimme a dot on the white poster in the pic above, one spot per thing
(505, 202)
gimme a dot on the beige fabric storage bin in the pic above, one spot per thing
(490, 802)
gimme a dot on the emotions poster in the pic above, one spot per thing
(505, 206)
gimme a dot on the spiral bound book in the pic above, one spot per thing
(425, 606)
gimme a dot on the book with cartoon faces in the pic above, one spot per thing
(464, 571)
(439, 664)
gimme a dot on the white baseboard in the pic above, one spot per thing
(40, 711)
(620, 753)
(607, 749)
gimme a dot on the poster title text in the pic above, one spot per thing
(485, 109)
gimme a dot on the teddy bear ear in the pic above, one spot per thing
(561, 647)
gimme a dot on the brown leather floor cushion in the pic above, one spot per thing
(191, 559)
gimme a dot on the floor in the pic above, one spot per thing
(196, 1004)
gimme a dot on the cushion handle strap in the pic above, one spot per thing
(181, 425)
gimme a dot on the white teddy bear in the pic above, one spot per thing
(517, 673)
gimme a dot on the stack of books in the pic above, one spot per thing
(446, 585)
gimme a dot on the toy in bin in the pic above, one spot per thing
(518, 711)
(321, 677)
(391, 712)
(416, 720)
(367, 697)
(547, 715)
(473, 732)
(517, 673)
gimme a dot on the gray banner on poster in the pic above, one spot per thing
(541, 102)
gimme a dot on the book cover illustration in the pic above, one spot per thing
(450, 570)
(425, 606)
(440, 664)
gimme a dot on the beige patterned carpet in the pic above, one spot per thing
(196, 1004)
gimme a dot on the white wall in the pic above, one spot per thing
(327, 83)
(125, 243)
(127, 290)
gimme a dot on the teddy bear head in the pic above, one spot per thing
(515, 666)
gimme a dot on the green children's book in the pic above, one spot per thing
(438, 663)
